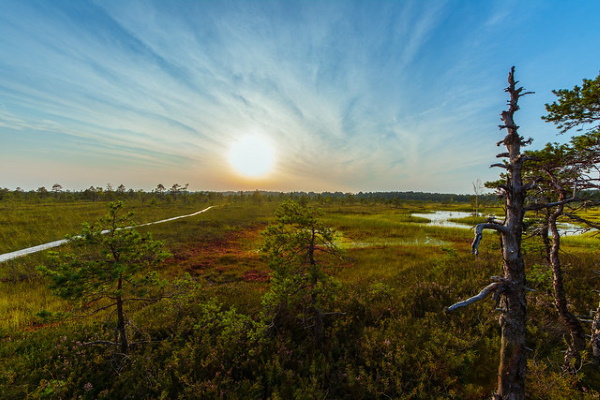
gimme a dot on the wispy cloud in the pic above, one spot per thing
(355, 95)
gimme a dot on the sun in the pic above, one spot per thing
(252, 156)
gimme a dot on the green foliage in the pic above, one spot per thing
(109, 254)
(393, 339)
(540, 276)
(220, 355)
(546, 383)
(300, 288)
(577, 106)
(112, 269)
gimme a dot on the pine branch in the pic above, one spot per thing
(589, 223)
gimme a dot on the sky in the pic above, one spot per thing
(330, 95)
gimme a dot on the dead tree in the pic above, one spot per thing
(509, 289)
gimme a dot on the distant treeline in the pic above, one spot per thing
(179, 192)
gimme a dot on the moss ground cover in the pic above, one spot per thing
(388, 336)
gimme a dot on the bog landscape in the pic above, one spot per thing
(204, 328)
(374, 200)
(174, 294)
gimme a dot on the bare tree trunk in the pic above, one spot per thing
(513, 357)
(577, 340)
(595, 332)
(121, 322)
(319, 327)
(509, 291)
(477, 190)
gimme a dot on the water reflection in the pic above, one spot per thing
(441, 218)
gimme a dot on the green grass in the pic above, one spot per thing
(31, 225)
(28, 225)
(588, 242)
(23, 293)
(390, 339)
(224, 256)
(21, 301)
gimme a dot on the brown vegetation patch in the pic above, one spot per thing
(225, 254)
(254, 275)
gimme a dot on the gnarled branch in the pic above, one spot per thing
(527, 141)
(491, 288)
(535, 207)
(505, 166)
(525, 157)
(532, 185)
(104, 342)
(504, 188)
(479, 234)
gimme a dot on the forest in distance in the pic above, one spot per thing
(315, 296)
(108, 193)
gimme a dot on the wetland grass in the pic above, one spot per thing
(221, 246)
(26, 225)
(24, 303)
(391, 338)
(209, 245)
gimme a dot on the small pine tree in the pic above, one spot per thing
(300, 288)
(113, 269)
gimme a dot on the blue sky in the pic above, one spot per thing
(352, 95)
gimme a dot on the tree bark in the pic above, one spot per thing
(491, 288)
(577, 340)
(510, 291)
(513, 358)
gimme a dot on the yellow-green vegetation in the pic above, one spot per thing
(386, 333)
(27, 225)
(20, 301)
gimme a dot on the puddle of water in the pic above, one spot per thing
(440, 218)
(567, 229)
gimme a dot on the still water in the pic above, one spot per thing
(441, 218)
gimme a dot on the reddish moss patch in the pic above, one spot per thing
(256, 276)
(234, 253)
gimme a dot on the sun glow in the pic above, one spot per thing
(252, 156)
